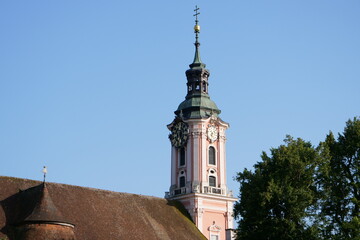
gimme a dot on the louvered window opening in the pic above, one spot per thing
(182, 157)
(182, 181)
(212, 181)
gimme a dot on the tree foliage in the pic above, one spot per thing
(276, 198)
(340, 183)
(303, 192)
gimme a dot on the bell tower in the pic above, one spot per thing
(198, 154)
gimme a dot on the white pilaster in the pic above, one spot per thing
(189, 162)
(173, 166)
(200, 211)
(196, 153)
(222, 157)
(204, 152)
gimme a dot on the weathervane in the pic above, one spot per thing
(44, 171)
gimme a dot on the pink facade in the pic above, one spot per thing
(198, 177)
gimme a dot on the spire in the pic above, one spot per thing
(197, 103)
(45, 210)
(197, 60)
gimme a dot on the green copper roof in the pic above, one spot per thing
(200, 106)
(197, 60)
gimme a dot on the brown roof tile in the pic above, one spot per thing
(98, 214)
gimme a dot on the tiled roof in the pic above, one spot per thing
(45, 210)
(97, 214)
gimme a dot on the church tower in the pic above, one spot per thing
(198, 154)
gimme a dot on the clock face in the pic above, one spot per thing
(179, 134)
(212, 133)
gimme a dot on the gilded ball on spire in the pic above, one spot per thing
(197, 28)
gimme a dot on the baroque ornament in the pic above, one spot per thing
(214, 228)
(179, 134)
(212, 133)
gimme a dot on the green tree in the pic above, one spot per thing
(339, 180)
(278, 199)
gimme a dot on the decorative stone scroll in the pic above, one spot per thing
(196, 188)
(214, 228)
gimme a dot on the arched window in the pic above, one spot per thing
(212, 181)
(197, 86)
(182, 156)
(212, 156)
(190, 88)
(182, 181)
(204, 87)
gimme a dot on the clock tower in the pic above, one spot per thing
(198, 155)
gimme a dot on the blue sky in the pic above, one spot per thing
(88, 87)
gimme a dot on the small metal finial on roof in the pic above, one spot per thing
(44, 171)
(197, 61)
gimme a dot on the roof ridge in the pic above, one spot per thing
(81, 187)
